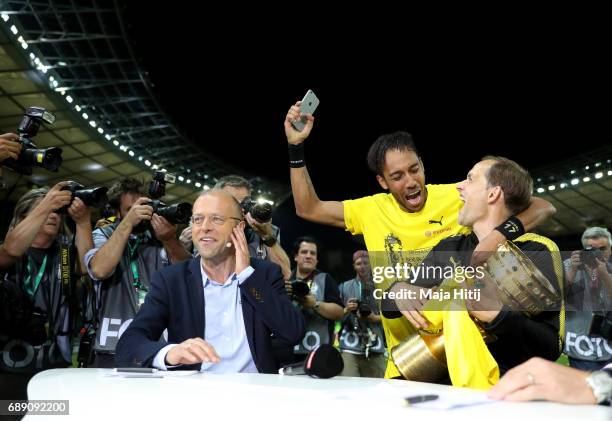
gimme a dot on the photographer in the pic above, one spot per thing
(37, 292)
(126, 254)
(263, 237)
(589, 277)
(361, 338)
(317, 294)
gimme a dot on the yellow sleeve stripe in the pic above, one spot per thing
(558, 267)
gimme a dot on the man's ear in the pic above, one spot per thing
(242, 224)
(495, 194)
(382, 182)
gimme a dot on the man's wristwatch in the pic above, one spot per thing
(601, 384)
(316, 306)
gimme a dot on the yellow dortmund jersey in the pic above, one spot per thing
(401, 236)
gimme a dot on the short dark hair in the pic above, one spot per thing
(393, 141)
(304, 239)
(124, 186)
(514, 180)
(235, 181)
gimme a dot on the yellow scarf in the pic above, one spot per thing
(469, 362)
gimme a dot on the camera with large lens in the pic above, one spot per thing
(590, 256)
(94, 197)
(300, 289)
(261, 211)
(179, 213)
(363, 308)
(31, 156)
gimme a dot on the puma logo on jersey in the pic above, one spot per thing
(433, 221)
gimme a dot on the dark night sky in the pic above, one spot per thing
(537, 100)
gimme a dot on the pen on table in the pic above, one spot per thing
(136, 370)
(411, 400)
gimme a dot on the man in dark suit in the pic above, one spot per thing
(219, 308)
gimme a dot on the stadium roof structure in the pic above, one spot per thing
(75, 60)
(581, 190)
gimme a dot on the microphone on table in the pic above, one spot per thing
(322, 362)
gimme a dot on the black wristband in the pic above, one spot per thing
(296, 156)
(388, 307)
(512, 228)
(270, 242)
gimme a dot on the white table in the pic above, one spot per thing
(94, 395)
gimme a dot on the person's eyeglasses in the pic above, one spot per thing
(198, 220)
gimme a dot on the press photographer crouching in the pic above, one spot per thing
(41, 259)
(127, 252)
(362, 340)
(588, 338)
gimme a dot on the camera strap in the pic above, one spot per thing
(65, 266)
(134, 265)
(51, 294)
(141, 290)
(27, 281)
(66, 271)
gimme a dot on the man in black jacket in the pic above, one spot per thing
(219, 308)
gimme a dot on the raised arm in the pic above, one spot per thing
(20, 238)
(81, 215)
(307, 203)
(107, 258)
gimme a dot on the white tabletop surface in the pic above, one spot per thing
(92, 394)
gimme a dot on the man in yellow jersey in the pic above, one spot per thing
(412, 217)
